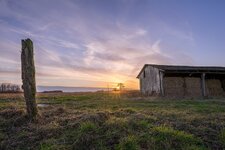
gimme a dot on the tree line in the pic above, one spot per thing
(9, 88)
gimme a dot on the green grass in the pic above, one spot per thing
(87, 127)
(167, 138)
(222, 136)
(112, 121)
(128, 143)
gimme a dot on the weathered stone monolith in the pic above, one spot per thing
(28, 78)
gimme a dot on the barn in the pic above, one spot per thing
(182, 81)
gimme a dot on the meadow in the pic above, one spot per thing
(120, 121)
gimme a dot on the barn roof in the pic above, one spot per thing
(186, 69)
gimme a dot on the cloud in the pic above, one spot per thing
(73, 44)
(179, 32)
(124, 55)
(141, 32)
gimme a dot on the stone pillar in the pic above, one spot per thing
(28, 78)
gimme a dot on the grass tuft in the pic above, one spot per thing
(87, 127)
(128, 143)
(222, 137)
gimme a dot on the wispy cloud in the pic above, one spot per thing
(74, 44)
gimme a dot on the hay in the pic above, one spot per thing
(182, 87)
(174, 81)
(173, 86)
(193, 87)
(214, 87)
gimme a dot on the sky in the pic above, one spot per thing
(98, 43)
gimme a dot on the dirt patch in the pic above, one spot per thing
(11, 113)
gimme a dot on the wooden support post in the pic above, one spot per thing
(223, 84)
(161, 75)
(140, 84)
(28, 78)
(203, 85)
(185, 87)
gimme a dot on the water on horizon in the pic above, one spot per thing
(70, 89)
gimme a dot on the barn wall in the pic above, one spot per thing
(150, 84)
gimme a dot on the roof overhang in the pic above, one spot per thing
(186, 69)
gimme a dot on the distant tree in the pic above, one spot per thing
(120, 86)
(10, 88)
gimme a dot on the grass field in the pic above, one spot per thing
(112, 121)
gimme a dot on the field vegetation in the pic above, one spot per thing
(120, 121)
